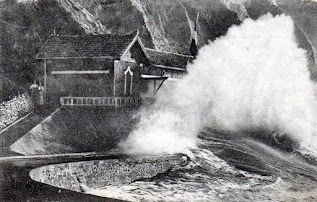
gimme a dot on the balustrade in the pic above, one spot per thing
(100, 101)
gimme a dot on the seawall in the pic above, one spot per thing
(87, 175)
(77, 129)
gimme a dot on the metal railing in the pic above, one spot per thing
(100, 101)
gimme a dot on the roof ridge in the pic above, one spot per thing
(179, 54)
(85, 45)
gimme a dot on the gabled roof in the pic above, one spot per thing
(168, 59)
(86, 46)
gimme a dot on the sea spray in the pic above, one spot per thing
(255, 77)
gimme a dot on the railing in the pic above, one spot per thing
(100, 101)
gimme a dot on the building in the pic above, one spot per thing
(77, 68)
(162, 66)
(172, 65)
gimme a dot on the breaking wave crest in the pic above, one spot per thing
(254, 78)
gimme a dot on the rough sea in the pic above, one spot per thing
(229, 168)
(246, 117)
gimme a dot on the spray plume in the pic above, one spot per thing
(255, 77)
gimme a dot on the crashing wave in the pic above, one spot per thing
(255, 77)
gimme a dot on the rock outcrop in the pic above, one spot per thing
(82, 16)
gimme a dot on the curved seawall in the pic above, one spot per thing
(80, 129)
(88, 175)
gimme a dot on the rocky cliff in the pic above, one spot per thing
(163, 24)
(168, 24)
(83, 17)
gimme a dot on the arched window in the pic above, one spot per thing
(126, 72)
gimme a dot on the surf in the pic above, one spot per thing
(254, 78)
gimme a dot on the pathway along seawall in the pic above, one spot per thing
(77, 129)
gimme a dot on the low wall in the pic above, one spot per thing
(101, 173)
(13, 109)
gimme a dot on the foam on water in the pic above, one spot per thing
(210, 178)
(255, 77)
(206, 178)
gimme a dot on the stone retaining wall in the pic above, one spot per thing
(13, 109)
(101, 173)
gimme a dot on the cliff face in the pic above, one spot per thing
(83, 17)
(156, 21)
(163, 24)
(168, 24)
(171, 22)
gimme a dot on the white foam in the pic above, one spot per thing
(254, 77)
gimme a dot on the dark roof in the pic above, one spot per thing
(66, 46)
(168, 59)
